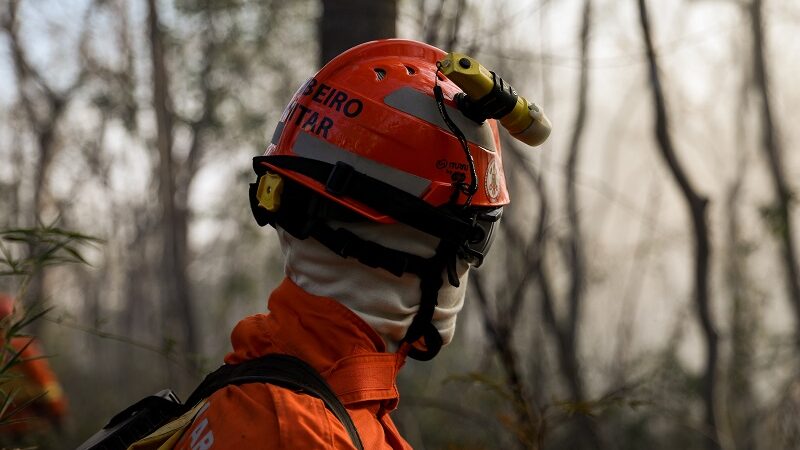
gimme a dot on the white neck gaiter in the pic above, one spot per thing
(386, 302)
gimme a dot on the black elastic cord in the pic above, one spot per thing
(422, 324)
(472, 188)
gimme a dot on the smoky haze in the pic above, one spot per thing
(642, 293)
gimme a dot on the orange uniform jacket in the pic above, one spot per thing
(31, 379)
(340, 346)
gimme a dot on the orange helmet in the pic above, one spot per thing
(373, 107)
(377, 135)
(372, 111)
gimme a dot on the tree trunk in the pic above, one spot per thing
(43, 109)
(696, 204)
(528, 422)
(740, 399)
(577, 265)
(780, 214)
(345, 24)
(176, 296)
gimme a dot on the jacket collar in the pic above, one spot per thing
(327, 335)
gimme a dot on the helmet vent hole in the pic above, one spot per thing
(439, 76)
(379, 73)
(410, 70)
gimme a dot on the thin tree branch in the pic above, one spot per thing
(780, 214)
(173, 275)
(575, 241)
(696, 204)
(528, 423)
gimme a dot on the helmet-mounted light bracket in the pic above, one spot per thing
(496, 104)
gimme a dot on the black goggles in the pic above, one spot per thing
(475, 249)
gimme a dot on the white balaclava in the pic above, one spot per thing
(386, 302)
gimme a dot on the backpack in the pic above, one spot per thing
(158, 421)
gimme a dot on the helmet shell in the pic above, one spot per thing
(373, 108)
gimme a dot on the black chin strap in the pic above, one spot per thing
(430, 283)
(429, 270)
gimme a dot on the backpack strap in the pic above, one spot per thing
(146, 416)
(284, 371)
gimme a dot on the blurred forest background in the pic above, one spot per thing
(644, 292)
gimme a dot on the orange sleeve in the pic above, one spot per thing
(263, 416)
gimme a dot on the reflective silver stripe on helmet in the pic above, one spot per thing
(308, 146)
(417, 104)
(276, 136)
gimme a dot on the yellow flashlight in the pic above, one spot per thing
(488, 96)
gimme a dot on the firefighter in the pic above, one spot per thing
(385, 186)
(38, 403)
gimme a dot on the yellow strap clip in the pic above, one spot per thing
(270, 188)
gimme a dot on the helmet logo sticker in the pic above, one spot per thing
(456, 170)
(492, 181)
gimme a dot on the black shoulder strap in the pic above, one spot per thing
(280, 370)
(147, 415)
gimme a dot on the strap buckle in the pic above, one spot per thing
(339, 179)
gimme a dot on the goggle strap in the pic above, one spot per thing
(348, 245)
(342, 180)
